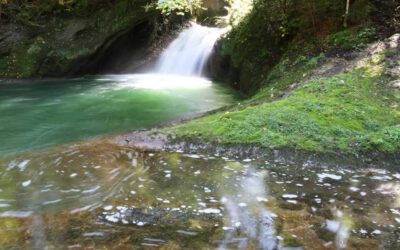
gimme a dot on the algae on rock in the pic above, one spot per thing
(67, 44)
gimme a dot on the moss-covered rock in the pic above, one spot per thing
(74, 43)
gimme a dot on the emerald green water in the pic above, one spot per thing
(46, 113)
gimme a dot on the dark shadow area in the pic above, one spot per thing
(135, 50)
(125, 54)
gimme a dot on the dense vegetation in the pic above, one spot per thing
(178, 7)
(259, 39)
(313, 83)
(36, 12)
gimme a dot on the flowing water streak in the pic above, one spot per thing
(188, 54)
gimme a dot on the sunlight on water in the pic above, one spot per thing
(246, 213)
(46, 113)
(159, 81)
(98, 194)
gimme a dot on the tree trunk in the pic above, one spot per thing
(346, 14)
(312, 14)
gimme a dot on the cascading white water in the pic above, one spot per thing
(188, 54)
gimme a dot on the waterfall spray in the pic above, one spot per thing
(188, 54)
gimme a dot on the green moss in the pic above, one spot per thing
(385, 139)
(24, 60)
(346, 112)
(34, 49)
(352, 39)
(284, 74)
(290, 241)
(67, 40)
(21, 63)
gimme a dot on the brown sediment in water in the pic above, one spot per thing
(302, 197)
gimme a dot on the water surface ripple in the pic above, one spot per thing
(47, 113)
(97, 194)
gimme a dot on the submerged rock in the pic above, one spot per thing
(155, 216)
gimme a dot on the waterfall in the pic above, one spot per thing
(188, 54)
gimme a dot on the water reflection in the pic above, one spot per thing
(341, 227)
(98, 194)
(247, 220)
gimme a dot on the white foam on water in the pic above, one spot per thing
(289, 196)
(210, 211)
(329, 176)
(23, 165)
(91, 190)
(51, 202)
(16, 214)
(26, 183)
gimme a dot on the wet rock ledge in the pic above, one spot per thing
(153, 140)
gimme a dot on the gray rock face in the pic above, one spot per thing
(68, 45)
(10, 34)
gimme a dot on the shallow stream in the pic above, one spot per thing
(97, 194)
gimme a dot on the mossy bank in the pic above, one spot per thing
(322, 88)
(350, 107)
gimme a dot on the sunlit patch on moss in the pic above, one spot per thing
(325, 115)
